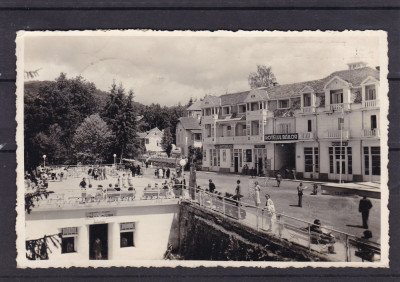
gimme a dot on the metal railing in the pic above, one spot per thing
(370, 133)
(335, 244)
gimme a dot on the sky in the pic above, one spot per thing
(166, 69)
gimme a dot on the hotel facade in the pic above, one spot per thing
(326, 129)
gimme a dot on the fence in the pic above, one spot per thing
(335, 244)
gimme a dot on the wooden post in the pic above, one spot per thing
(309, 237)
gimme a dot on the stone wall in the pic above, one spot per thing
(206, 235)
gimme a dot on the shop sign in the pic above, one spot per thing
(281, 137)
(224, 146)
(259, 146)
(97, 214)
(337, 144)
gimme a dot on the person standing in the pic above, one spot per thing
(363, 208)
(160, 173)
(167, 173)
(315, 189)
(300, 190)
(97, 248)
(270, 210)
(278, 179)
(238, 192)
(257, 194)
(211, 186)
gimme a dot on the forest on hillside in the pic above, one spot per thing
(69, 120)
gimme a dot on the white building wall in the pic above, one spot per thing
(154, 225)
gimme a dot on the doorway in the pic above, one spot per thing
(260, 167)
(98, 241)
(236, 164)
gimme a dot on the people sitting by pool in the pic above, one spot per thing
(129, 180)
(165, 185)
(83, 183)
(156, 186)
(90, 186)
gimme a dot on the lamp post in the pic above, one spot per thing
(44, 160)
(115, 159)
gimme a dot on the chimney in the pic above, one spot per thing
(378, 68)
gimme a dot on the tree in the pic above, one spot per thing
(166, 141)
(53, 112)
(264, 77)
(120, 115)
(92, 140)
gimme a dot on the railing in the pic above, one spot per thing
(308, 110)
(209, 140)
(339, 107)
(370, 133)
(337, 134)
(335, 244)
(232, 139)
(100, 197)
(306, 135)
(370, 103)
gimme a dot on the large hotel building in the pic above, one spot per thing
(325, 129)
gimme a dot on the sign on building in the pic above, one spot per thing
(281, 137)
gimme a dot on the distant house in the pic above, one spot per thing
(194, 110)
(152, 141)
(188, 133)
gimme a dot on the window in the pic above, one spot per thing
(308, 159)
(376, 160)
(336, 96)
(226, 110)
(307, 100)
(340, 123)
(248, 156)
(372, 160)
(366, 160)
(316, 159)
(231, 157)
(349, 161)
(331, 160)
(284, 128)
(309, 125)
(218, 157)
(255, 127)
(370, 92)
(205, 156)
(224, 155)
(242, 108)
(254, 107)
(127, 230)
(283, 104)
(211, 157)
(147, 140)
(373, 122)
(68, 244)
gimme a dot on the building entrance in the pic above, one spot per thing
(236, 164)
(285, 158)
(98, 240)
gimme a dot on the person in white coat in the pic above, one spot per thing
(270, 213)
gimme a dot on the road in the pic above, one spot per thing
(338, 212)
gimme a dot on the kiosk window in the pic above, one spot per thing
(127, 230)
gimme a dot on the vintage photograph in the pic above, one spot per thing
(156, 148)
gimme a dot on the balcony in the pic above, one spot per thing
(308, 110)
(371, 103)
(337, 134)
(370, 133)
(209, 140)
(232, 139)
(306, 135)
(339, 107)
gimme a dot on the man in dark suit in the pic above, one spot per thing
(363, 208)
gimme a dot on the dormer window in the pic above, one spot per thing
(307, 100)
(254, 107)
(337, 96)
(370, 92)
(283, 104)
(242, 108)
(226, 110)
